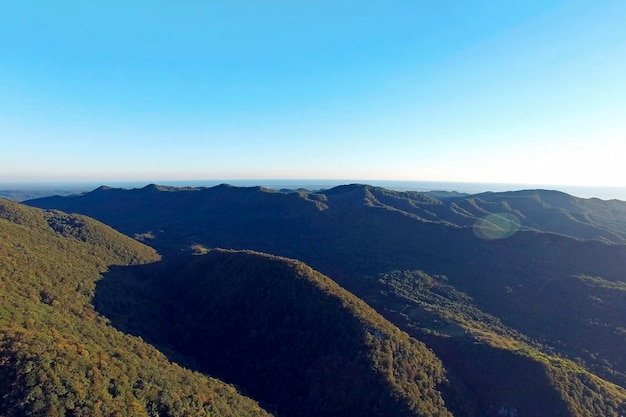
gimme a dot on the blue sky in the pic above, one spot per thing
(503, 91)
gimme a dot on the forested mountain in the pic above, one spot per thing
(540, 210)
(521, 296)
(284, 333)
(58, 356)
(547, 211)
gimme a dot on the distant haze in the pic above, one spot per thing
(64, 188)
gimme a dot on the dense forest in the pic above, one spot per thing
(356, 300)
(281, 331)
(58, 356)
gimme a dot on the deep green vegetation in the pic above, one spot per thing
(522, 296)
(287, 335)
(58, 357)
(502, 366)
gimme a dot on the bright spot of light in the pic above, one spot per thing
(496, 226)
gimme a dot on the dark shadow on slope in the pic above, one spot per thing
(283, 340)
(132, 298)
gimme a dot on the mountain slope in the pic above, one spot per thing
(506, 369)
(559, 288)
(57, 355)
(550, 211)
(287, 335)
(153, 213)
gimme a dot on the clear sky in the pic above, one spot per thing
(529, 92)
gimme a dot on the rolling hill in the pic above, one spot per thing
(282, 332)
(58, 356)
(530, 280)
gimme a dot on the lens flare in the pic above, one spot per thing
(496, 226)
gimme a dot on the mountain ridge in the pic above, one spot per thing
(541, 271)
(58, 356)
(287, 335)
(597, 219)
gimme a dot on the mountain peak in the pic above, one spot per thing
(157, 188)
(103, 188)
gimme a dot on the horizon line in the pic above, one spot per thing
(605, 192)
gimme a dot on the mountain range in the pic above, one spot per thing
(356, 300)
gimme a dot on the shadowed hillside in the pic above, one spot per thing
(503, 368)
(57, 355)
(546, 266)
(285, 334)
(549, 211)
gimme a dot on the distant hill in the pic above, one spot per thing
(549, 211)
(540, 210)
(534, 279)
(22, 194)
(58, 356)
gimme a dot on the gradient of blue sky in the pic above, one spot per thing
(527, 92)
